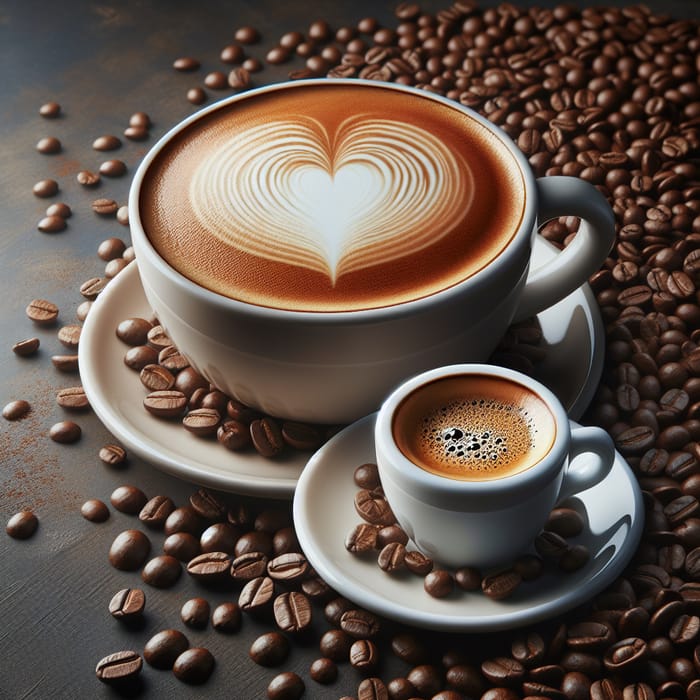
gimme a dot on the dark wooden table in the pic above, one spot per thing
(102, 62)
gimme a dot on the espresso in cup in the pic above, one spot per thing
(334, 198)
(474, 427)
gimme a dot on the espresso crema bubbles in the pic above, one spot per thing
(332, 198)
(474, 428)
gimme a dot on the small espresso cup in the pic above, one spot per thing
(472, 459)
(310, 244)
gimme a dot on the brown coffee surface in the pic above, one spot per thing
(332, 198)
(474, 428)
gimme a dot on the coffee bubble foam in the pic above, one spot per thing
(335, 202)
(477, 436)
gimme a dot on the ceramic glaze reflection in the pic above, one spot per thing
(334, 202)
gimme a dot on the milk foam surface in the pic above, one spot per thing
(332, 198)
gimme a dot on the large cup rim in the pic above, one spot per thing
(474, 495)
(479, 280)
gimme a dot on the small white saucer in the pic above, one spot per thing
(324, 513)
(573, 338)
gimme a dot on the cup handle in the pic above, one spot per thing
(591, 457)
(568, 196)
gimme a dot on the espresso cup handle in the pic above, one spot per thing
(556, 279)
(591, 457)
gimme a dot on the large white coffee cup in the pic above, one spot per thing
(333, 366)
(457, 472)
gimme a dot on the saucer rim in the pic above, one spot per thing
(576, 593)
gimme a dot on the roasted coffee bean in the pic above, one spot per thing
(195, 613)
(362, 538)
(119, 667)
(157, 378)
(132, 331)
(50, 110)
(269, 649)
(292, 611)
(162, 571)
(45, 188)
(210, 567)
(234, 435)
(65, 363)
(426, 679)
(360, 624)
(501, 585)
(266, 437)
(105, 206)
(22, 525)
(391, 557)
(249, 566)
(417, 563)
(226, 617)
(289, 567)
(575, 558)
(42, 312)
(627, 654)
(503, 670)
(113, 455)
(26, 348)
(529, 650)
(129, 550)
(16, 410)
(194, 666)
(256, 541)
(590, 636)
(550, 545)
(335, 644)
(219, 537)
(468, 578)
(128, 499)
(165, 404)
(439, 583)
(172, 359)
(113, 168)
(72, 398)
(373, 508)
(366, 476)
(106, 143)
(208, 506)
(409, 648)
(202, 421)
(186, 63)
(127, 603)
(364, 655)
(65, 432)
(286, 686)
(94, 510)
(140, 356)
(323, 671)
(565, 522)
(391, 534)
(257, 594)
(156, 510)
(301, 436)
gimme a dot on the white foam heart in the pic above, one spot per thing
(374, 191)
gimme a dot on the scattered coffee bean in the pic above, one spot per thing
(292, 611)
(51, 224)
(128, 499)
(194, 666)
(501, 585)
(267, 437)
(247, 35)
(26, 348)
(92, 287)
(127, 604)
(70, 336)
(162, 571)
(48, 145)
(42, 312)
(286, 686)
(65, 363)
(196, 96)
(22, 525)
(16, 410)
(208, 506)
(164, 647)
(227, 618)
(156, 510)
(182, 545)
(113, 455)
(65, 432)
(113, 168)
(360, 624)
(59, 209)
(210, 567)
(104, 206)
(87, 178)
(119, 668)
(195, 613)
(269, 649)
(95, 510)
(439, 583)
(72, 398)
(50, 110)
(129, 550)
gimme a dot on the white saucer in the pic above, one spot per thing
(324, 513)
(573, 337)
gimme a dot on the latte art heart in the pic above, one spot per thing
(373, 191)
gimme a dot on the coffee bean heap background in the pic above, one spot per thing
(609, 95)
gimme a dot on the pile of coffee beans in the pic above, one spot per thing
(610, 95)
(379, 535)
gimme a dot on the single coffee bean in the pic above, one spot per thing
(226, 617)
(501, 585)
(529, 649)
(219, 537)
(301, 436)
(165, 404)
(266, 436)
(156, 510)
(249, 566)
(22, 525)
(194, 666)
(95, 511)
(210, 567)
(503, 670)
(45, 188)
(157, 378)
(202, 421)
(575, 558)
(256, 541)
(565, 522)
(323, 671)
(65, 432)
(140, 356)
(119, 668)
(162, 571)
(364, 655)
(106, 143)
(360, 624)
(292, 611)
(113, 455)
(87, 178)
(105, 206)
(129, 550)
(59, 209)
(468, 578)
(390, 534)
(409, 648)
(186, 64)
(426, 679)
(417, 563)
(289, 567)
(26, 348)
(195, 613)
(50, 110)
(113, 168)
(163, 648)
(128, 499)
(269, 649)
(42, 312)
(257, 594)
(16, 410)
(51, 224)
(132, 331)
(127, 604)
(335, 644)
(366, 476)
(362, 538)
(373, 508)
(372, 688)
(72, 398)
(286, 686)
(65, 363)
(391, 557)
